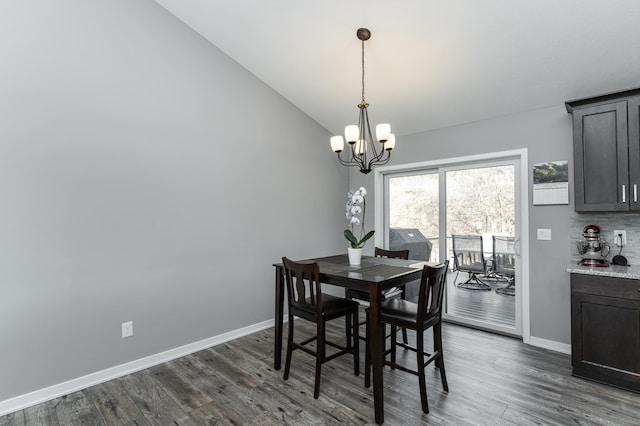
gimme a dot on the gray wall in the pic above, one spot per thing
(547, 135)
(144, 176)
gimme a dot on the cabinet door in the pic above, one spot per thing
(634, 153)
(600, 147)
(605, 339)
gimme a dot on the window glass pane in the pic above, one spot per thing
(481, 200)
(413, 204)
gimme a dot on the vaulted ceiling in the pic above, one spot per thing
(429, 64)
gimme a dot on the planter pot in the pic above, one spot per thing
(355, 255)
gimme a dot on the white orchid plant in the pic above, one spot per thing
(356, 206)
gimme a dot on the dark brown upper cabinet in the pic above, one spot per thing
(606, 151)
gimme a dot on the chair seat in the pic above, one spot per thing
(332, 306)
(473, 267)
(400, 309)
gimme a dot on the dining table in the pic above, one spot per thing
(373, 275)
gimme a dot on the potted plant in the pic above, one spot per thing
(356, 207)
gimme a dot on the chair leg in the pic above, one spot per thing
(509, 290)
(437, 346)
(367, 355)
(287, 363)
(473, 283)
(405, 340)
(320, 355)
(348, 330)
(394, 336)
(356, 343)
(421, 376)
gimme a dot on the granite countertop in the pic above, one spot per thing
(615, 271)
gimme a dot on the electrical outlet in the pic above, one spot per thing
(544, 234)
(617, 237)
(127, 329)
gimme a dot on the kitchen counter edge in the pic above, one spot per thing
(615, 271)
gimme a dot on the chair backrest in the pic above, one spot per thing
(392, 254)
(504, 255)
(468, 252)
(432, 287)
(303, 286)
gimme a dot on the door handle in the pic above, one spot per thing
(635, 192)
(624, 193)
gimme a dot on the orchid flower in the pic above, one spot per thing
(355, 198)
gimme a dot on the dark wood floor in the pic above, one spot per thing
(493, 380)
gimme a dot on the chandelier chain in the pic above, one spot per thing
(362, 71)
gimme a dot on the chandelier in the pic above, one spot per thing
(363, 151)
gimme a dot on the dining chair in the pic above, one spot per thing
(468, 256)
(504, 257)
(421, 316)
(386, 294)
(306, 301)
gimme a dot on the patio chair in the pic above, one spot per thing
(504, 257)
(468, 256)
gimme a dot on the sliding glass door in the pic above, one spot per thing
(425, 207)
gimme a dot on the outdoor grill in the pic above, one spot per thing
(419, 249)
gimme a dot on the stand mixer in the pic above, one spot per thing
(592, 249)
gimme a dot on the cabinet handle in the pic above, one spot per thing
(624, 194)
(635, 192)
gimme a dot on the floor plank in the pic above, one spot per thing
(493, 380)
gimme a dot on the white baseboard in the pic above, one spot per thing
(27, 400)
(550, 344)
(36, 397)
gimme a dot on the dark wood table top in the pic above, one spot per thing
(336, 269)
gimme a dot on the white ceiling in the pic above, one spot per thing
(429, 64)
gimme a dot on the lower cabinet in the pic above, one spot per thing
(605, 330)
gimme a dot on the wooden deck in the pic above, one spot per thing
(485, 306)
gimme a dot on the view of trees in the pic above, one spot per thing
(481, 201)
(413, 203)
(478, 201)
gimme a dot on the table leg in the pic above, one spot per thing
(377, 349)
(279, 284)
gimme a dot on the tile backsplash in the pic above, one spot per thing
(608, 222)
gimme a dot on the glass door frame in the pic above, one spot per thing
(519, 157)
(516, 330)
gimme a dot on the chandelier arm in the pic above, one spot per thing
(372, 140)
(356, 158)
(379, 162)
(350, 163)
(362, 137)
